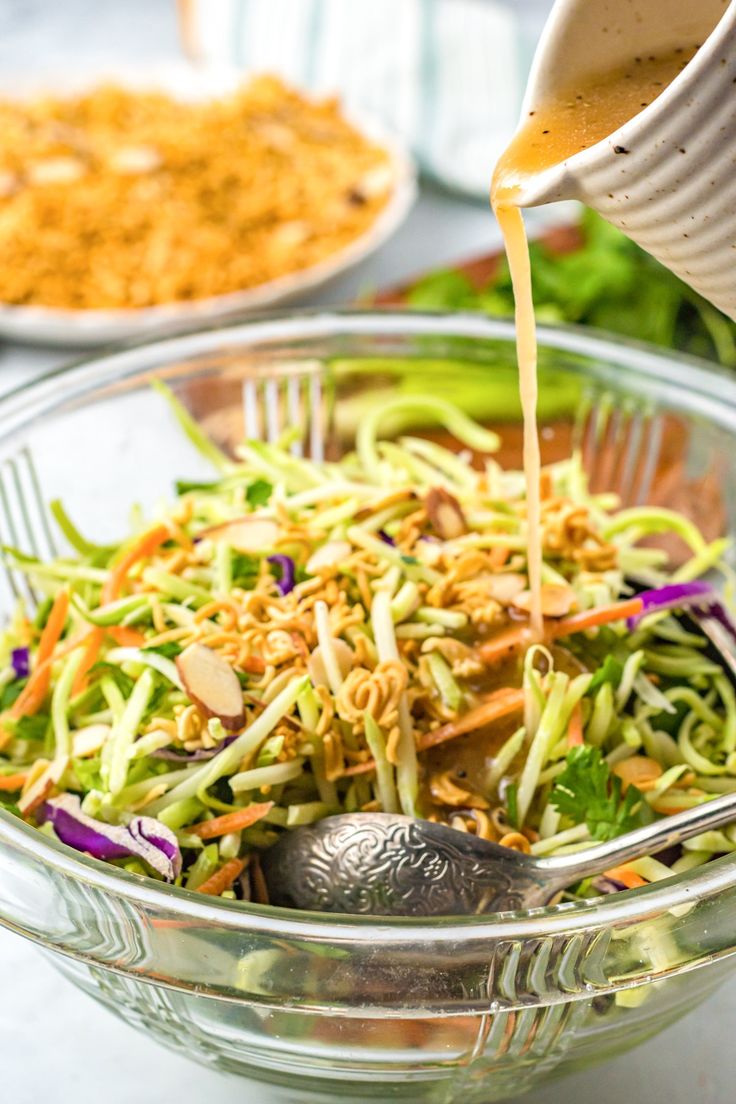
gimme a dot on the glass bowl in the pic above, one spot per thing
(347, 1008)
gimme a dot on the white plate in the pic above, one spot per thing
(53, 326)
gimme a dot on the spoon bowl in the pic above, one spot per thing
(383, 864)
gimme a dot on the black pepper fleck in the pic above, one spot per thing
(621, 149)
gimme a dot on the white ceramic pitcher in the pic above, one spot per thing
(667, 178)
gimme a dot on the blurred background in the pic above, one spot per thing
(442, 79)
(447, 80)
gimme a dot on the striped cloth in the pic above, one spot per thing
(446, 75)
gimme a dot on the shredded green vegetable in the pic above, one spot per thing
(294, 639)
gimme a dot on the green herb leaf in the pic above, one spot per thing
(10, 692)
(245, 569)
(610, 670)
(30, 728)
(123, 682)
(607, 282)
(589, 793)
(259, 493)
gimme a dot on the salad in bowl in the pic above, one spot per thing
(295, 638)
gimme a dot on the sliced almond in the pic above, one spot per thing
(88, 741)
(135, 160)
(505, 588)
(56, 170)
(639, 771)
(9, 184)
(212, 684)
(445, 514)
(247, 534)
(328, 555)
(316, 664)
(42, 786)
(557, 600)
(375, 182)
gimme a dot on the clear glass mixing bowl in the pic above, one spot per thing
(319, 1007)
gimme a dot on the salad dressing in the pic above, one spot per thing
(570, 122)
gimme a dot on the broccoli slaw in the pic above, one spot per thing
(296, 638)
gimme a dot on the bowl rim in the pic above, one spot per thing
(711, 391)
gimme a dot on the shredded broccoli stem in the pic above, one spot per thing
(60, 706)
(355, 656)
(124, 732)
(385, 784)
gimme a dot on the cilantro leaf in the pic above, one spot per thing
(607, 282)
(30, 728)
(245, 569)
(610, 670)
(259, 493)
(590, 794)
(10, 692)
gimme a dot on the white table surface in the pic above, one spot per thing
(53, 1039)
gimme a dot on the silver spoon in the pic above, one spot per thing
(384, 864)
(389, 865)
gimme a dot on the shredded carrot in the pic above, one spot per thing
(626, 876)
(499, 647)
(499, 704)
(591, 619)
(575, 727)
(12, 782)
(223, 878)
(513, 639)
(92, 644)
(31, 697)
(230, 822)
(143, 547)
(126, 637)
(121, 634)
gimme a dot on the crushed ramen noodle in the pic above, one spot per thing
(279, 644)
(126, 199)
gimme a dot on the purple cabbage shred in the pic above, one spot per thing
(673, 596)
(20, 659)
(144, 837)
(288, 572)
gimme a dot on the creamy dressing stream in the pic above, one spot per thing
(572, 121)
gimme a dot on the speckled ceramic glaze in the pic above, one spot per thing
(667, 178)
